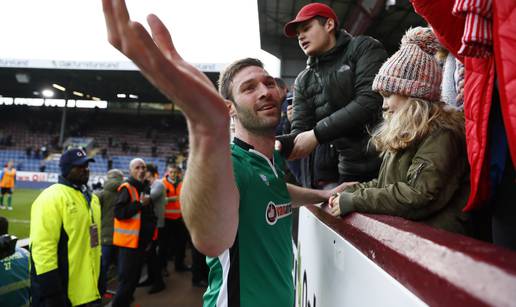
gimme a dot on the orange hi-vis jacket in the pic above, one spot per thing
(8, 178)
(126, 232)
(173, 208)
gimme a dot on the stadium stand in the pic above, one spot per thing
(119, 137)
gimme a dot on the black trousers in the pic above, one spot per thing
(176, 235)
(130, 261)
(163, 247)
(199, 267)
(154, 265)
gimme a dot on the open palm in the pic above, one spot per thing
(161, 64)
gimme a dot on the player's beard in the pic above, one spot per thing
(253, 122)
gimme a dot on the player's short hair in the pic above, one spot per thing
(226, 77)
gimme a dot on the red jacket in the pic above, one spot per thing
(479, 82)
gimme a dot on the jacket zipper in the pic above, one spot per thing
(417, 172)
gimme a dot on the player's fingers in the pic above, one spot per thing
(162, 37)
(111, 27)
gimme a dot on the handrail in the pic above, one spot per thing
(439, 267)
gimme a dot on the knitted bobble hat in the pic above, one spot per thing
(413, 70)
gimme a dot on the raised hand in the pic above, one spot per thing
(212, 221)
(161, 64)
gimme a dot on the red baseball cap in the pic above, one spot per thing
(307, 12)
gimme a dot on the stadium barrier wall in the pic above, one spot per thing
(41, 180)
(376, 260)
(35, 180)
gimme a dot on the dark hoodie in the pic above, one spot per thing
(108, 197)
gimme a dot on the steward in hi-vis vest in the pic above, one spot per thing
(176, 234)
(134, 229)
(126, 232)
(173, 189)
(64, 238)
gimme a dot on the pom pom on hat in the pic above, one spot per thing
(424, 38)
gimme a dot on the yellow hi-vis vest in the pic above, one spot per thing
(126, 232)
(60, 206)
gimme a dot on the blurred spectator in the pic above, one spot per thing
(7, 140)
(134, 229)
(284, 124)
(107, 198)
(7, 183)
(44, 151)
(171, 159)
(64, 236)
(424, 172)
(37, 153)
(452, 86)
(481, 35)
(175, 230)
(28, 151)
(125, 146)
(109, 163)
(159, 200)
(54, 142)
(42, 165)
(14, 270)
(19, 166)
(344, 66)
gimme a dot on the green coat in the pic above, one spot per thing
(426, 182)
(107, 198)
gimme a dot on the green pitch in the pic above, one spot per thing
(19, 217)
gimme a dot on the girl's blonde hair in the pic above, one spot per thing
(415, 120)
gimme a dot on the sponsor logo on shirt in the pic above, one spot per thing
(264, 179)
(275, 212)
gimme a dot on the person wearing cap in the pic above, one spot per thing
(64, 238)
(424, 174)
(134, 230)
(333, 101)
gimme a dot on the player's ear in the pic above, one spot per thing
(231, 107)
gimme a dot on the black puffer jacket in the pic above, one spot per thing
(333, 96)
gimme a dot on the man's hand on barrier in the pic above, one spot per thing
(342, 187)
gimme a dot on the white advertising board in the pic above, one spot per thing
(36, 176)
(330, 272)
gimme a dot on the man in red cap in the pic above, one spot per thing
(333, 101)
